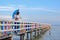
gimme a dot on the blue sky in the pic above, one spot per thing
(45, 11)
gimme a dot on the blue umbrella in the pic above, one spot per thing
(15, 12)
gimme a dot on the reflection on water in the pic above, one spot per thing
(53, 34)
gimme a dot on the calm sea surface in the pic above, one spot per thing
(53, 34)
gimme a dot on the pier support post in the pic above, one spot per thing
(31, 36)
(27, 36)
(35, 33)
(38, 32)
(22, 36)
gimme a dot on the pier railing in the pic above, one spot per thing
(8, 30)
(17, 27)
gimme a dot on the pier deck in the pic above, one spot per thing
(6, 37)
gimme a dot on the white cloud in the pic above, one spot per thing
(5, 17)
(10, 8)
(6, 8)
(41, 19)
(42, 9)
(21, 7)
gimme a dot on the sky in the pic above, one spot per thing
(42, 11)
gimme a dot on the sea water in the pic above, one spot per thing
(52, 34)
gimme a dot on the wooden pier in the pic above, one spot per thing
(26, 32)
(22, 36)
(6, 37)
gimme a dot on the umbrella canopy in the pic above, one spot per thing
(16, 12)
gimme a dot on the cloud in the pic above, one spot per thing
(41, 19)
(10, 7)
(21, 7)
(5, 17)
(42, 9)
(6, 8)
